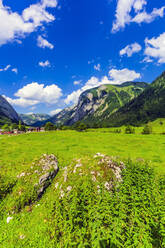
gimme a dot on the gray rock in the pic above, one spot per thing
(49, 165)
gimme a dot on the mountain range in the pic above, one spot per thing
(96, 105)
(30, 119)
(133, 103)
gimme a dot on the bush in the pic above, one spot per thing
(79, 126)
(129, 130)
(13, 126)
(49, 126)
(6, 127)
(147, 129)
(130, 216)
(118, 131)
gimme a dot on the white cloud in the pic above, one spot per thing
(77, 82)
(130, 49)
(73, 97)
(29, 113)
(145, 17)
(43, 43)
(34, 93)
(14, 26)
(155, 48)
(55, 112)
(21, 102)
(44, 64)
(147, 60)
(116, 77)
(138, 5)
(126, 7)
(124, 75)
(6, 68)
(49, 3)
(97, 67)
(15, 70)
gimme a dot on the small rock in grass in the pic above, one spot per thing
(69, 188)
(22, 236)
(56, 185)
(99, 155)
(9, 219)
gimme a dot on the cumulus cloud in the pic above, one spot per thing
(21, 101)
(34, 93)
(124, 75)
(55, 112)
(115, 77)
(124, 13)
(155, 48)
(145, 17)
(43, 43)
(97, 67)
(44, 64)
(14, 26)
(130, 49)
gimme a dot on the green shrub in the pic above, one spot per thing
(129, 130)
(6, 127)
(118, 131)
(132, 215)
(49, 126)
(79, 126)
(147, 129)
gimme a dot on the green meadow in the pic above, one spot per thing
(131, 215)
(17, 151)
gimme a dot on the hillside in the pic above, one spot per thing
(7, 112)
(97, 104)
(148, 106)
(30, 119)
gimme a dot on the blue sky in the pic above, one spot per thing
(51, 51)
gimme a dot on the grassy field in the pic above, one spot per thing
(83, 218)
(21, 150)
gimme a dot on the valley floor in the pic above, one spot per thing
(86, 204)
(68, 145)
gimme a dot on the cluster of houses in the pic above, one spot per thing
(16, 131)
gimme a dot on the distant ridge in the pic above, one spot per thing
(97, 104)
(7, 112)
(30, 119)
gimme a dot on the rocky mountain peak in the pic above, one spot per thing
(7, 112)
